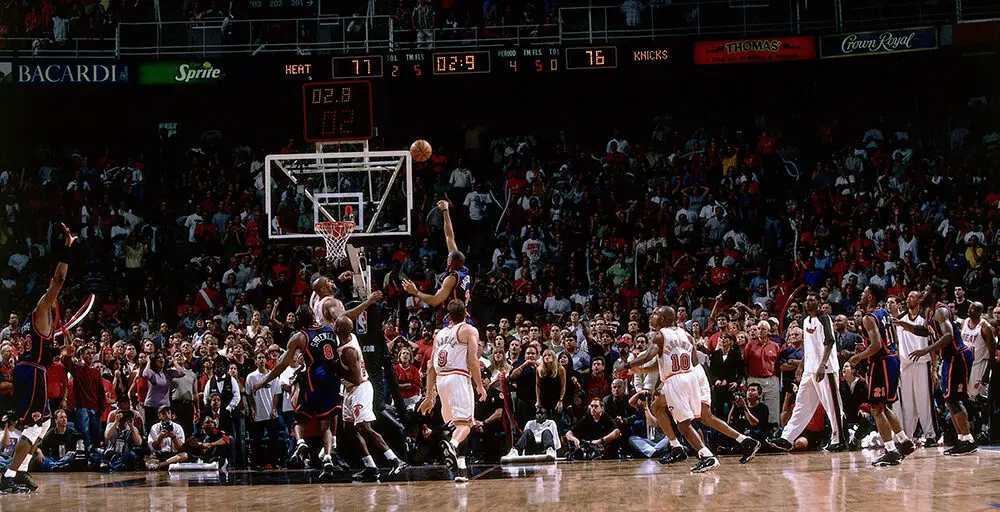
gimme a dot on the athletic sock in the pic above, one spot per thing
(369, 461)
(740, 438)
(334, 444)
(966, 437)
(10, 473)
(902, 437)
(390, 455)
(461, 463)
(705, 452)
(675, 443)
(453, 444)
(24, 465)
(327, 458)
(890, 445)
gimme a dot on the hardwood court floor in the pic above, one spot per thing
(810, 482)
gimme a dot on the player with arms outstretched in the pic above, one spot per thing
(956, 362)
(687, 395)
(883, 375)
(453, 369)
(359, 407)
(457, 284)
(39, 349)
(327, 308)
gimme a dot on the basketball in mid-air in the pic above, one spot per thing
(420, 150)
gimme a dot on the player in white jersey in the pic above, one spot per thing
(359, 408)
(682, 388)
(915, 405)
(979, 335)
(327, 308)
(818, 380)
(453, 369)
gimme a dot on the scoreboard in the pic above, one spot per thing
(337, 91)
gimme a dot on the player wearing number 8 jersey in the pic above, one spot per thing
(684, 389)
(453, 370)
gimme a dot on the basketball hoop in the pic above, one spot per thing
(335, 233)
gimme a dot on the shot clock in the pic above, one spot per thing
(592, 57)
(337, 111)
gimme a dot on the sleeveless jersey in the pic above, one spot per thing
(973, 337)
(353, 343)
(886, 331)
(37, 349)
(909, 342)
(957, 344)
(317, 303)
(461, 292)
(322, 346)
(675, 357)
(450, 355)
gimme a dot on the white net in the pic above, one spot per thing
(335, 234)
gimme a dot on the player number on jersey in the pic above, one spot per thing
(679, 364)
(442, 358)
(27, 343)
(328, 352)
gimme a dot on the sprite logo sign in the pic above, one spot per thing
(179, 73)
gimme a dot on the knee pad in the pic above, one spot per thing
(33, 433)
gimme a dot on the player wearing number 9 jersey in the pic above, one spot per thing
(684, 390)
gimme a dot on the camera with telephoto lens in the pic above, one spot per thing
(126, 416)
(167, 426)
(739, 395)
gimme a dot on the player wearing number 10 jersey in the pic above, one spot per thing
(685, 387)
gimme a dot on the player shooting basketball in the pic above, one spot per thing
(458, 283)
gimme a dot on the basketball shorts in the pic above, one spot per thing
(359, 404)
(883, 380)
(31, 389)
(320, 394)
(976, 373)
(705, 390)
(683, 394)
(955, 375)
(457, 401)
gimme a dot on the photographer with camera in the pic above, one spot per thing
(591, 435)
(749, 416)
(166, 439)
(122, 439)
(58, 447)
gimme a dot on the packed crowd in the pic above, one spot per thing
(194, 307)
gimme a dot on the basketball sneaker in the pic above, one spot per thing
(677, 454)
(930, 442)
(962, 448)
(888, 458)
(750, 447)
(780, 443)
(461, 475)
(397, 466)
(368, 474)
(450, 455)
(24, 480)
(301, 451)
(907, 447)
(705, 464)
(7, 486)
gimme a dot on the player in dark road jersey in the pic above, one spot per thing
(29, 374)
(457, 284)
(956, 361)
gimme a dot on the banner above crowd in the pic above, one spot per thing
(878, 42)
(767, 49)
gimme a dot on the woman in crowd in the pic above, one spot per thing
(160, 378)
(255, 328)
(550, 383)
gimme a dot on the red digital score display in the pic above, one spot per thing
(334, 111)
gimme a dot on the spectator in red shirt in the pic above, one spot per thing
(598, 383)
(58, 386)
(408, 377)
(89, 392)
(760, 357)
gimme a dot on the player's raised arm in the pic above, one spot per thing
(353, 314)
(652, 350)
(295, 344)
(449, 231)
(59, 277)
(438, 298)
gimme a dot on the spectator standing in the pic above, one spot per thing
(264, 407)
(760, 357)
(183, 394)
(424, 22)
(160, 380)
(88, 392)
